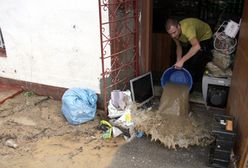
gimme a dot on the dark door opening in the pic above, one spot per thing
(212, 12)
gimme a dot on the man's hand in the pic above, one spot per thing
(179, 64)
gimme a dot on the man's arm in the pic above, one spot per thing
(179, 50)
(193, 50)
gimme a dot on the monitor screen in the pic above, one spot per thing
(142, 88)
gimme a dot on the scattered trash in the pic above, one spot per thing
(116, 131)
(126, 119)
(11, 143)
(79, 105)
(119, 110)
(107, 128)
(125, 131)
(139, 134)
(120, 101)
(127, 126)
(117, 99)
(103, 126)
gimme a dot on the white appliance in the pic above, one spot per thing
(215, 91)
(232, 29)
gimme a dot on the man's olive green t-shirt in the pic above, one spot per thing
(192, 27)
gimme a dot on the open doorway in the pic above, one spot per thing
(215, 13)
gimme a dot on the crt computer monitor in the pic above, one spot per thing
(142, 88)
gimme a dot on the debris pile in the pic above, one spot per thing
(178, 129)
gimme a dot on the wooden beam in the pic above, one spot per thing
(146, 35)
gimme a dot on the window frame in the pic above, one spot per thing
(2, 47)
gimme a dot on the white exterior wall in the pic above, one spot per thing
(52, 42)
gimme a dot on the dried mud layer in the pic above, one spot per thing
(34, 133)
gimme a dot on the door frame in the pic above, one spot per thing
(146, 35)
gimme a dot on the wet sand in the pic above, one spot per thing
(173, 124)
(45, 139)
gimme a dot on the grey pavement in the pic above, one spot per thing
(144, 153)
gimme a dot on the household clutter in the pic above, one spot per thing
(217, 78)
(169, 121)
(224, 43)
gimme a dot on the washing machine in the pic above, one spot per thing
(215, 91)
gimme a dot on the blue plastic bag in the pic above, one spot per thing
(79, 105)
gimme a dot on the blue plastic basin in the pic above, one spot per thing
(178, 76)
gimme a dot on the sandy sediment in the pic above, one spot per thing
(172, 124)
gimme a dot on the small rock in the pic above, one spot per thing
(11, 143)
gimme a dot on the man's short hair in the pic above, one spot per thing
(171, 22)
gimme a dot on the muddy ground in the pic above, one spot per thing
(34, 133)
